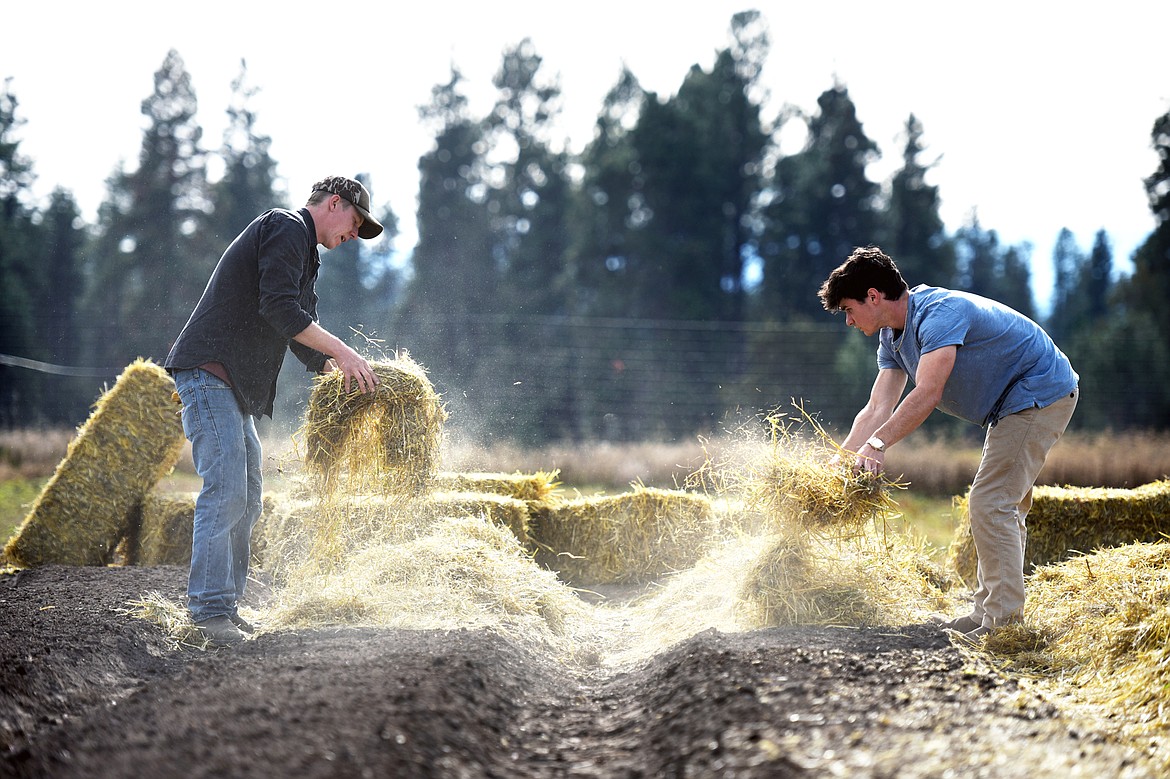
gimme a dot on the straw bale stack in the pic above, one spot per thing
(627, 538)
(1065, 521)
(384, 441)
(539, 487)
(131, 440)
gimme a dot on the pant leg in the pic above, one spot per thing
(1014, 453)
(242, 533)
(214, 424)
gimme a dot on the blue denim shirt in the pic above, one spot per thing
(261, 294)
(1005, 362)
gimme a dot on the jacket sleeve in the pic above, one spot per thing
(282, 261)
(314, 360)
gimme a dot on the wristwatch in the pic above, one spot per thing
(876, 443)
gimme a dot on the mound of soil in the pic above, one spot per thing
(88, 691)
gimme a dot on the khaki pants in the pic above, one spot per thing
(1014, 451)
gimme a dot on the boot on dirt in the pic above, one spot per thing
(964, 624)
(242, 624)
(220, 631)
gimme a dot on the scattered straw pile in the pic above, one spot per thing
(1098, 627)
(1065, 521)
(805, 580)
(174, 619)
(625, 538)
(462, 573)
(131, 440)
(538, 487)
(385, 441)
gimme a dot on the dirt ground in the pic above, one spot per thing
(89, 691)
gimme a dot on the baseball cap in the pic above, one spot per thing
(355, 193)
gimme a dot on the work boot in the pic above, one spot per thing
(972, 639)
(242, 624)
(219, 631)
(964, 624)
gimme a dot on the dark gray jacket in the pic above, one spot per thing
(260, 295)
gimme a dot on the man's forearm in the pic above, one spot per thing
(316, 337)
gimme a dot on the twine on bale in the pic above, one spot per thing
(131, 440)
(383, 441)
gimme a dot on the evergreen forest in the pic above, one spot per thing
(649, 287)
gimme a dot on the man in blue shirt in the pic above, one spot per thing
(975, 359)
(260, 302)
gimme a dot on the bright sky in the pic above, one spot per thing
(1040, 111)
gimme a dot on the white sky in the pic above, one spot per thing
(1041, 111)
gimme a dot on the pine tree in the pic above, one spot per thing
(1148, 288)
(19, 268)
(915, 235)
(608, 210)
(821, 205)
(998, 272)
(151, 259)
(1068, 305)
(249, 185)
(454, 280)
(1099, 280)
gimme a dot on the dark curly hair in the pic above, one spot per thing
(867, 268)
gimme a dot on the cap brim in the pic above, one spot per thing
(371, 227)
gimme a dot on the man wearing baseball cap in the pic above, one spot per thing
(260, 301)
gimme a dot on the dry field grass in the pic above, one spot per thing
(935, 469)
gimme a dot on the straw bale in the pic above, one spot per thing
(386, 441)
(1065, 521)
(632, 537)
(806, 580)
(165, 522)
(131, 440)
(298, 535)
(539, 487)
(502, 510)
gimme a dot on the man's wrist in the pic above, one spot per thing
(876, 443)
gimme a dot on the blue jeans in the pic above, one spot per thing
(227, 455)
